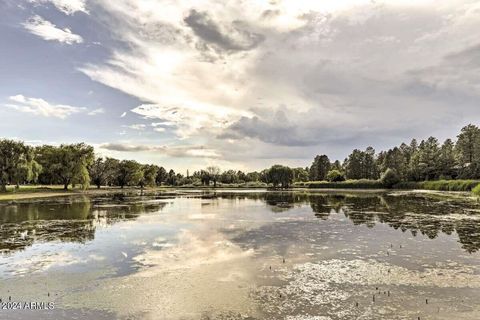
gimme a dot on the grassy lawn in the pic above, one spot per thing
(37, 191)
(44, 191)
(34, 188)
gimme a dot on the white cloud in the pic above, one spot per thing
(289, 77)
(48, 31)
(41, 107)
(189, 151)
(136, 126)
(96, 111)
(66, 6)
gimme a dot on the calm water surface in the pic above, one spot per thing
(243, 255)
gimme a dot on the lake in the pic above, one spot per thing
(248, 254)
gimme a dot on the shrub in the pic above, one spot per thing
(335, 176)
(408, 185)
(390, 178)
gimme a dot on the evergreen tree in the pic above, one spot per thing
(319, 168)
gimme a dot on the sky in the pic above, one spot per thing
(237, 84)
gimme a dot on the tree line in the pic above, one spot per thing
(76, 164)
(427, 160)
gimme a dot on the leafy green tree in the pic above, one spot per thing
(389, 178)
(180, 179)
(319, 168)
(214, 173)
(16, 163)
(279, 175)
(162, 176)
(241, 176)
(228, 177)
(97, 172)
(111, 167)
(66, 164)
(336, 166)
(36, 169)
(264, 175)
(203, 177)
(252, 177)
(129, 173)
(300, 174)
(335, 176)
(171, 178)
(149, 175)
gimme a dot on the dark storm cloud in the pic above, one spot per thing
(230, 38)
(125, 147)
(454, 79)
(187, 151)
(279, 133)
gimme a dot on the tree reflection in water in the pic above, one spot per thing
(407, 213)
(76, 219)
(66, 220)
(415, 213)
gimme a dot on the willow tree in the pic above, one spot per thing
(66, 164)
(129, 173)
(149, 174)
(279, 175)
(16, 163)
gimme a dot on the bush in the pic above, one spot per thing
(390, 178)
(408, 185)
(335, 176)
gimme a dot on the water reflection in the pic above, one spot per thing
(415, 213)
(407, 213)
(76, 219)
(66, 220)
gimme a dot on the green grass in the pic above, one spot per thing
(476, 190)
(450, 185)
(33, 188)
(349, 184)
(438, 185)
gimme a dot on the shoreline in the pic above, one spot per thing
(43, 192)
